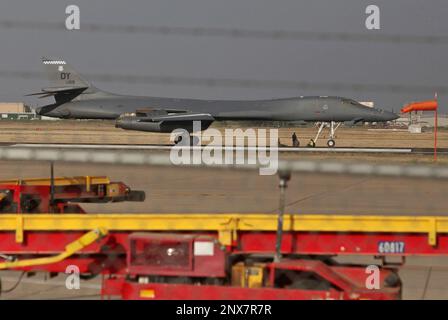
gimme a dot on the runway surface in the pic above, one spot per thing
(225, 148)
(104, 132)
(200, 190)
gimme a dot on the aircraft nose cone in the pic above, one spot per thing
(389, 116)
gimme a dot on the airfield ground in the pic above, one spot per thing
(105, 133)
(212, 190)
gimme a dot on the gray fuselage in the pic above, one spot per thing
(102, 105)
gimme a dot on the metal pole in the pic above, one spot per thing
(435, 135)
(436, 122)
(283, 184)
(51, 185)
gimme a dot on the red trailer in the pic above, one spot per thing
(206, 256)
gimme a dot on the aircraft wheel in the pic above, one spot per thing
(178, 139)
(311, 144)
(194, 141)
(331, 143)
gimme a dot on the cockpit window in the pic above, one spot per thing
(350, 101)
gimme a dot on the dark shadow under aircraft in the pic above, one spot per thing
(75, 98)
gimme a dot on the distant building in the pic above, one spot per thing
(423, 120)
(12, 107)
(16, 111)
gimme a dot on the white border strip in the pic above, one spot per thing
(223, 148)
(139, 158)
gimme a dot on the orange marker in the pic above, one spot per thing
(430, 105)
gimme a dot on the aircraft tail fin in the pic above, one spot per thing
(65, 82)
(60, 74)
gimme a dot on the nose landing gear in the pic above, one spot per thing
(333, 127)
(311, 144)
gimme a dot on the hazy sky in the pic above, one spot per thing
(147, 54)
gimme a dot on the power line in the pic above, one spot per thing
(232, 32)
(242, 83)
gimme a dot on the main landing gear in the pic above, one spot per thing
(333, 127)
(182, 139)
(178, 139)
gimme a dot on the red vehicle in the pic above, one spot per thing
(205, 256)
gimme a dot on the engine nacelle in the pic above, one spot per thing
(144, 124)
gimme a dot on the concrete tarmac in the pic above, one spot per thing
(194, 190)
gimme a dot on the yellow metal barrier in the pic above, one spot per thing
(225, 224)
(59, 181)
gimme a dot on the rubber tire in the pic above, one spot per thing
(178, 139)
(194, 141)
(331, 143)
(311, 144)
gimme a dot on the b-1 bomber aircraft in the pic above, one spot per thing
(76, 98)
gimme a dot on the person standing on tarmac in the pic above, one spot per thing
(295, 141)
